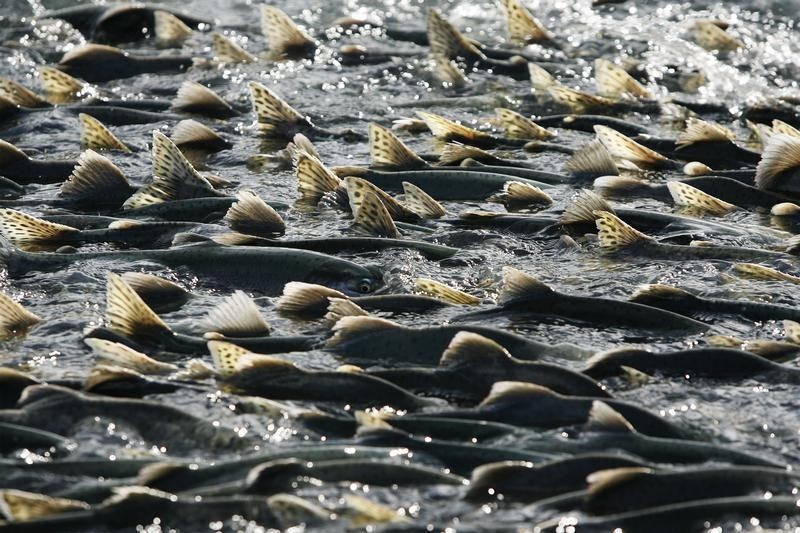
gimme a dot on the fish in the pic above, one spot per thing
(360, 339)
(280, 379)
(16, 437)
(523, 294)
(100, 63)
(777, 169)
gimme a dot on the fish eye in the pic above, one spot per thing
(364, 285)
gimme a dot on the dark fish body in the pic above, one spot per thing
(448, 184)
(588, 122)
(102, 65)
(334, 245)
(17, 437)
(122, 116)
(717, 154)
(676, 252)
(689, 304)
(526, 173)
(718, 363)
(37, 171)
(188, 210)
(261, 269)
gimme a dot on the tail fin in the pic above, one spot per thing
(284, 37)
(373, 218)
(618, 145)
(388, 151)
(21, 227)
(591, 161)
(20, 94)
(127, 314)
(703, 131)
(523, 27)
(521, 127)
(94, 180)
(445, 40)
(60, 83)
(443, 292)
(275, 117)
(170, 31)
(614, 81)
(253, 216)
(227, 51)
(193, 97)
(14, 319)
(96, 136)
(237, 316)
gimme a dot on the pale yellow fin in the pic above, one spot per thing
(521, 127)
(226, 357)
(615, 235)
(294, 512)
(339, 308)
(712, 37)
(253, 216)
(698, 130)
(444, 292)
(21, 95)
(541, 80)
(614, 82)
(523, 27)
(468, 348)
(446, 129)
(283, 36)
(190, 131)
(520, 285)
(603, 417)
(193, 96)
(696, 168)
(361, 512)
(22, 506)
(237, 316)
(170, 30)
(15, 320)
(603, 480)
(503, 391)
(357, 190)
(304, 144)
(780, 128)
(126, 312)
(454, 153)
(372, 217)
(353, 326)
(421, 203)
(94, 177)
(21, 228)
(275, 116)
(447, 71)
(149, 286)
(792, 331)
(684, 194)
(227, 51)
(582, 209)
(126, 357)
(445, 40)
(577, 101)
(95, 136)
(591, 161)
(618, 145)
(314, 179)
(764, 272)
(519, 193)
(387, 151)
(10, 154)
(780, 154)
(55, 82)
(299, 297)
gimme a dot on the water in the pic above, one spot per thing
(750, 415)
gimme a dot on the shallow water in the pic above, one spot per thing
(750, 415)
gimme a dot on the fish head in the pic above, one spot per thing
(355, 281)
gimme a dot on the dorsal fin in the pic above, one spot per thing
(577, 101)
(603, 480)
(792, 331)
(227, 357)
(447, 130)
(454, 153)
(445, 40)
(127, 314)
(443, 292)
(519, 285)
(467, 348)
(583, 208)
(314, 179)
(275, 117)
(357, 190)
(227, 51)
(655, 292)
(154, 472)
(684, 194)
(781, 154)
(541, 80)
(237, 316)
(253, 216)
(614, 234)
(153, 288)
(304, 144)
(503, 391)
(339, 308)
(518, 126)
(372, 218)
(353, 326)
(421, 203)
(10, 154)
(712, 37)
(614, 185)
(126, 357)
(615, 82)
(233, 238)
(22, 506)
(448, 72)
(137, 497)
(20, 94)
(94, 179)
(194, 97)
(20, 228)
(785, 209)
(591, 161)
(174, 177)
(302, 298)
(519, 193)
(169, 30)
(362, 513)
(283, 36)
(601, 357)
(764, 272)
(618, 145)
(698, 130)
(523, 27)
(291, 509)
(92, 52)
(56, 82)
(190, 131)
(387, 151)
(778, 126)
(696, 168)
(603, 417)
(95, 136)
(14, 319)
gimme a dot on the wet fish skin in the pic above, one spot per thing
(100, 65)
(115, 115)
(17, 437)
(717, 154)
